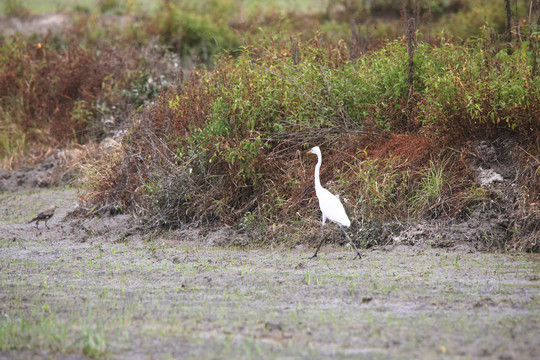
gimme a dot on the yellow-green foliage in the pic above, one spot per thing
(234, 131)
(472, 86)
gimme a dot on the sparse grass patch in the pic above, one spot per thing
(21, 333)
(49, 333)
(103, 303)
(427, 197)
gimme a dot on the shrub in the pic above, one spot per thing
(49, 94)
(225, 145)
(72, 87)
(471, 89)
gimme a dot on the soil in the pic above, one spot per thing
(56, 169)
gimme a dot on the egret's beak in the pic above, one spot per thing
(309, 152)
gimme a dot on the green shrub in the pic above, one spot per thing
(470, 88)
(225, 143)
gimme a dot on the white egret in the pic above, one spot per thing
(331, 207)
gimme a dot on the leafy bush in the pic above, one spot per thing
(225, 143)
(470, 88)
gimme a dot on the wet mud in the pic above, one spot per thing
(99, 288)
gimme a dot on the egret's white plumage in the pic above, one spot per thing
(331, 207)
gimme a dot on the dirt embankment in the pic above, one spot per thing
(493, 224)
(489, 226)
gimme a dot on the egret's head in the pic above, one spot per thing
(315, 151)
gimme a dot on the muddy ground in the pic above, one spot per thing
(95, 288)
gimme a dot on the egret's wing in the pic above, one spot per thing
(332, 207)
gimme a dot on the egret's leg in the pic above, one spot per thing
(352, 244)
(322, 238)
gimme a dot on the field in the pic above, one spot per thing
(78, 291)
(172, 136)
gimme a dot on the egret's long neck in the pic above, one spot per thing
(317, 168)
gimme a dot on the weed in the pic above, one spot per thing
(310, 278)
(20, 333)
(428, 194)
(456, 262)
(93, 341)
(380, 186)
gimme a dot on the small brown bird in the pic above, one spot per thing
(44, 216)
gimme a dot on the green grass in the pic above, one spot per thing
(47, 332)
(430, 190)
(20, 333)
